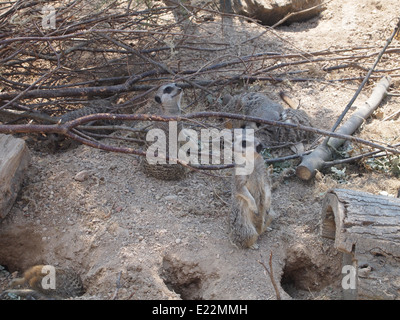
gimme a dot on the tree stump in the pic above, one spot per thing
(14, 160)
(366, 228)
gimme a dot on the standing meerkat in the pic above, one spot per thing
(251, 212)
(168, 97)
(67, 284)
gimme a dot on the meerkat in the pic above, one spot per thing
(253, 104)
(67, 283)
(297, 117)
(256, 105)
(168, 97)
(251, 211)
(259, 105)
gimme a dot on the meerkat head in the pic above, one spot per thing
(246, 150)
(246, 142)
(169, 97)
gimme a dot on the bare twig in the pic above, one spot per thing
(378, 58)
(271, 276)
(118, 286)
(66, 128)
(293, 14)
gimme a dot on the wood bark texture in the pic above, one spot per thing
(366, 227)
(14, 161)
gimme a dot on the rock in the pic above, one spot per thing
(270, 12)
(81, 175)
(171, 198)
(14, 161)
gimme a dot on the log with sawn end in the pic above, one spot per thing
(316, 160)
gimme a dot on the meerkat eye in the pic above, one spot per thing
(158, 99)
(168, 89)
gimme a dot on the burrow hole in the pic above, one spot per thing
(311, 276)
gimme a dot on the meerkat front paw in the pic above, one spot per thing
(253, 207)
(255, 246)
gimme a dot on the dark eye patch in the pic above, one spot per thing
(259, 148)
(168, 89)
(158, 99)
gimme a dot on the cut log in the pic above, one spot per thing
(366, 228)
(316, 160)
(14, 161)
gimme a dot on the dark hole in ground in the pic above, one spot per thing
(305, 278)
(184, 278)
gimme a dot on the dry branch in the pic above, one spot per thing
(378, 58)
(134, 48)
(317, 159)
(68, 127)
(270, 273)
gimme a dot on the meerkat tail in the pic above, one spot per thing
(17, 282)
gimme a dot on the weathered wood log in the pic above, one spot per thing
(366, 228)
(14, 161)
(316, 160)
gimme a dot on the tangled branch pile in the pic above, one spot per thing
(122, 50)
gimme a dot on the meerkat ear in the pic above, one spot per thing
(158, 99)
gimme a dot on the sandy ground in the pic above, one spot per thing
(133, 237)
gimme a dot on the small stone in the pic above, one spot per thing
(171, 198)
(81, 176)
(178, 241)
